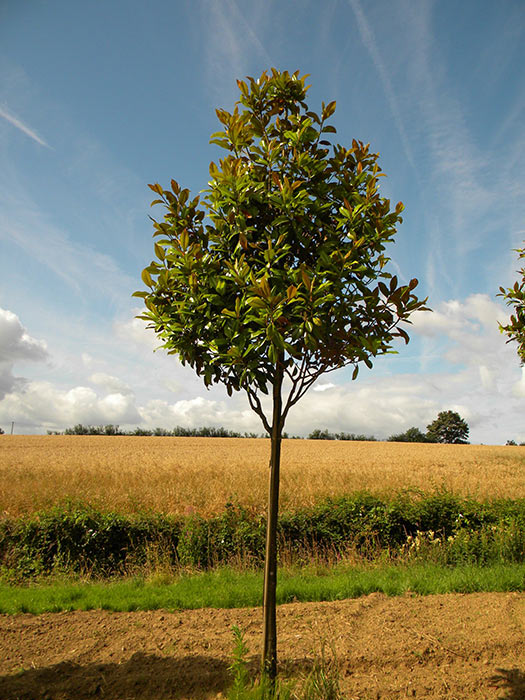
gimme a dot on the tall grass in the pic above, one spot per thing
(194, 475)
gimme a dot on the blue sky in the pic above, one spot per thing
(99, 99)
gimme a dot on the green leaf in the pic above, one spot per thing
(329, 110)
(146, 278)
(159, 251)
(228, 312)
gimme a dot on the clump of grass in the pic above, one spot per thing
(322, 682)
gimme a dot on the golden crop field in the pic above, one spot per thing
(184, 475)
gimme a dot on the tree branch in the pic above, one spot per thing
(255, 405)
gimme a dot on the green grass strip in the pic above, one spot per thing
(227, 588)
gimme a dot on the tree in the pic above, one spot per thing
(280, 275)
(448, 427)
(410, 435)
(1, 431)
(319, 434)
(515, 297)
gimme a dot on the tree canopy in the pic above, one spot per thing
(283, 265)
(448, 427)
(411, 435)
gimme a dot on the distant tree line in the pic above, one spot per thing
(448, 427)
(318, 434)
(178, 431)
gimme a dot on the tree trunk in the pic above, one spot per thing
(269, 655)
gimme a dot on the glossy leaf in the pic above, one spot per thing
(282, 264)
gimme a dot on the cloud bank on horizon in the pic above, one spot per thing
(434, 88)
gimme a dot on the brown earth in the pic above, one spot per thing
(461, 647)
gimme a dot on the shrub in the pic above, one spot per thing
(437, 526)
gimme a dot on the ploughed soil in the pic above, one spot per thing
(462, 647)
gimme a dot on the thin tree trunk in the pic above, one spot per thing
(269, 655)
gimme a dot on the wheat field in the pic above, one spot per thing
(185, 475)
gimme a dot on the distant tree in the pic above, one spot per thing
(281, 276)
(355, 437)
(515, 297)
(142, 432)
(410, 435)
(1, 431)
(112, 430)
(448, 427)
(318, 434)
(511, 442)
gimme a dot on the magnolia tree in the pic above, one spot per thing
(515, 297)
(278, 274)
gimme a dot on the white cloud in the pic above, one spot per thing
(323, 387)
(16, 345)
(482, 381)
(471, 325)
(519, 388)
(40, 405)
(134, 330)
(15, 342)
(201, 412)
(113, 385)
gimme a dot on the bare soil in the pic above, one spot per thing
(460, 647)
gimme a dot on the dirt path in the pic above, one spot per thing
(460, 647)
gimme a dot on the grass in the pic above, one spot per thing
(186, 475)
(321, 683)
(227, 588)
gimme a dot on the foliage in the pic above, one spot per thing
(178, 431)
(448, 427)
(82, 540)
(515, 297)
(410, 435)
(80, 429)
(1, 431)
(318, 434)
(283, 267)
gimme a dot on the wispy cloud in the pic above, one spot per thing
(368, 39)
(18, 124)
(471, 199)
(233, 45)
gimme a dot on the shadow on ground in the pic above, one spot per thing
(143, 677)
(513, 681)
